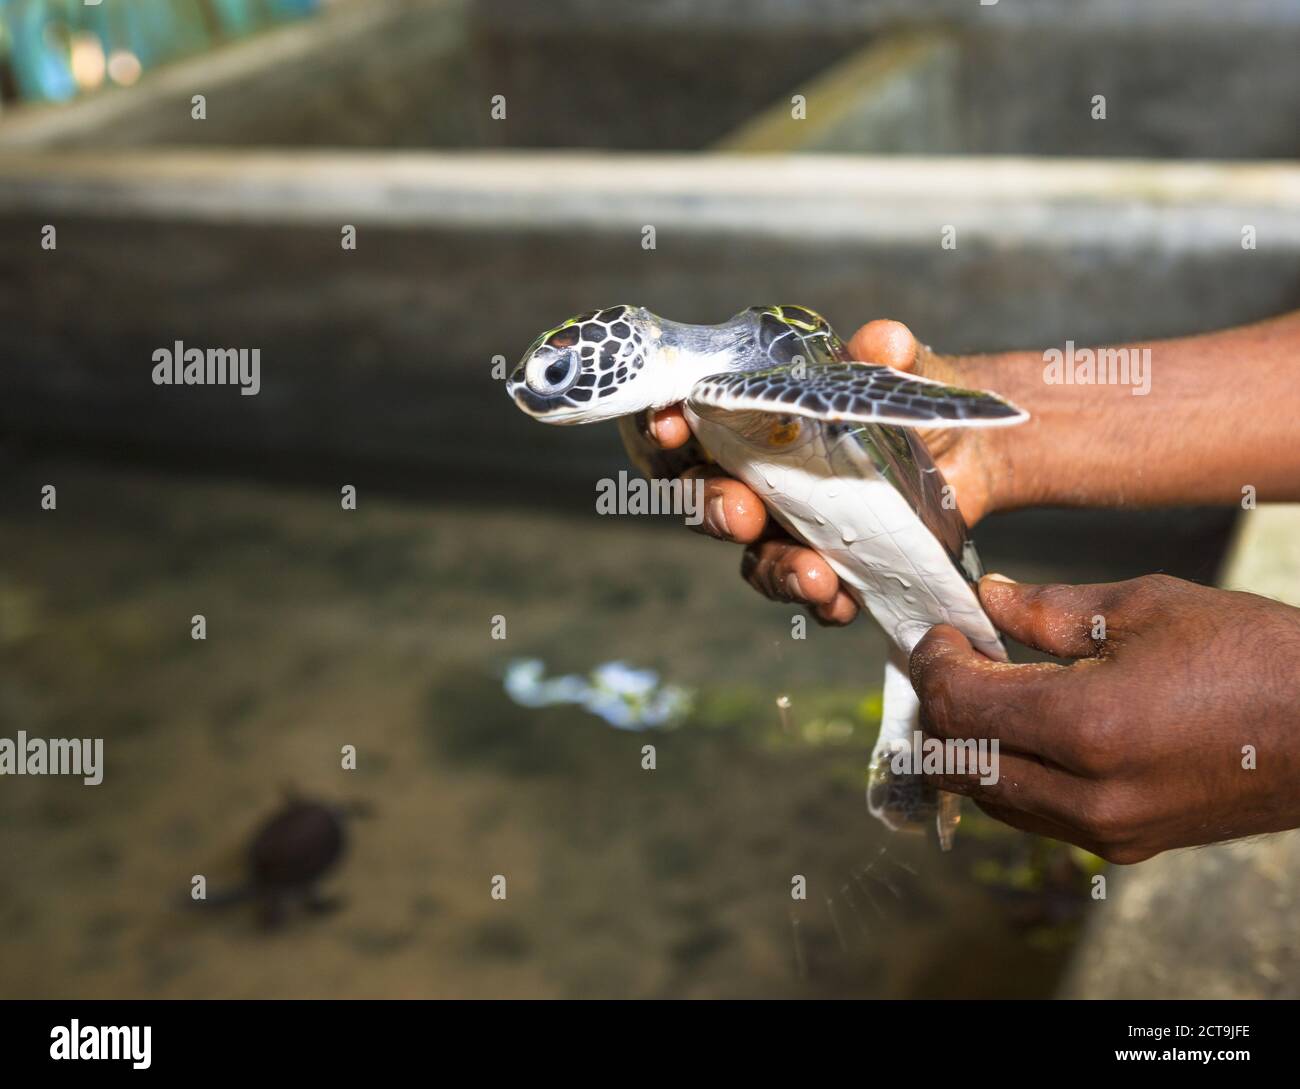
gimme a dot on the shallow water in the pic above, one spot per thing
(373, 628)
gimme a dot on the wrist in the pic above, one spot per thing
(1013, 462)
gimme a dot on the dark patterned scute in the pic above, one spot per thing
(770, 329)
(862, 392)
(798, 313)
(784, 342)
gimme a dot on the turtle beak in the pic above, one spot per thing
(525, 398)
(549, 410)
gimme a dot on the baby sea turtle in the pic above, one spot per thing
(291, 852)
(288, 856)
(774, 398)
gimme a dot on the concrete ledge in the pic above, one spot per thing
(895, 199)
(1265, 557)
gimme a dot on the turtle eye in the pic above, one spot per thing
(551, 374)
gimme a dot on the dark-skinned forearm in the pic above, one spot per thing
(1222, 414)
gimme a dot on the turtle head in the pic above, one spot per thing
(592, 367)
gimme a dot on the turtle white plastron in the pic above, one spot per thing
(829, 443)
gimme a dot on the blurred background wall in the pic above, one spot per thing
(304, 121)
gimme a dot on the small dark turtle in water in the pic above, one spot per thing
(288, 856)
(291, 852)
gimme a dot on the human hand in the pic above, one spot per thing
(1180, 727)
(776, 565)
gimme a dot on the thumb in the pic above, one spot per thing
(890, 343)
(963, 693)
(1056, 619)
(939, 663)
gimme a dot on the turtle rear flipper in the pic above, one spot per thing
(866, 393)
(906, 801)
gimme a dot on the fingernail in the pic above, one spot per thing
(792, 587)
(715, 517)
(993, 576)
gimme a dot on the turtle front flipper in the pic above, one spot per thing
(845, 392)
